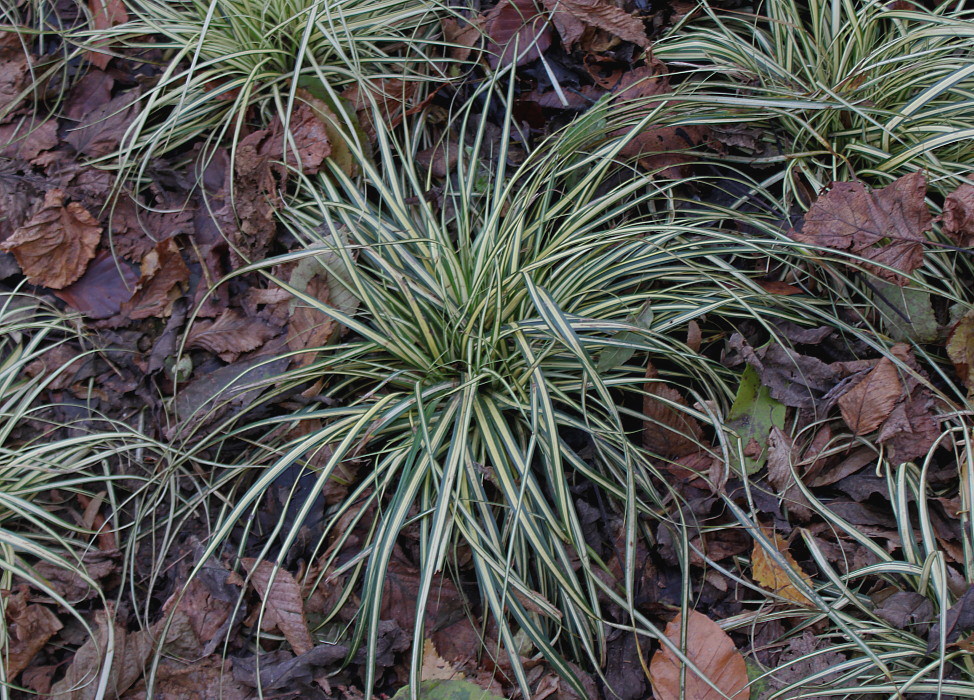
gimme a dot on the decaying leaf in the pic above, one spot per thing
(517, 32)
(283, 603)
(596, 13)
(767, 573)
(958, 217)
(69, 584)
(960, 349)
(713, 654)
(29, 626)
(207, 679)
(101, 130)
(54, 246)
(104, 287)
(230, 335)
(309, 327)
(870, 402)
(105, 14)
(668, 431)
(163, 272)
(752, 416)
(436, 668)
(959, 619)
(447, 690)
(886, 226)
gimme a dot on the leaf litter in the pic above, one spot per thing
(139, 264)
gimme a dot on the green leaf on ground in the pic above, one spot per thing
(752, 417)
(907, 313)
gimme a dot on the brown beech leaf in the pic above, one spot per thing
(105, 14)
(29, 626)
(230, 335)
(596, 13)
(54, 246)
(162, 272)
(25, 139)
(960, 349)
(516, 25)
(283, 602)
(867, 404)
(102, 129)
(668, 431)
(103, 288)
(767, 573)
(886, 226)
(712, 652)
(958, 221)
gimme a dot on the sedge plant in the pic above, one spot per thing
(491, 324)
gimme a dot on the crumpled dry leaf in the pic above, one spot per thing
(311, 142)
(436, 668)
(207, 679)
(29, 626)
(886, 226)
(596, 13)
(960, 349)
(54, 246)
(131, 650)
(792, 378)
(104, 14)
(767, 573)
(781, 458)
(283, 603)
(711, 651)
(25, 139)
(958, 217)
(103, 288)
(102, 129)
(71, 586)
(163, 271)
(867, 404)
(516, 26)
(230, 335)
(668, 431)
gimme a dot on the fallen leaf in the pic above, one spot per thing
(907, 610)
(435, 668)
(462, 39)
(311, 142)
(283, 602)
(667, 430)
(907, 312)
(309, 327)
(781, 473)
(209, 678)
(163, 272)
(886, 226)
(960, 349)
(959, 619)
(752, 416)
(446, 690)
(596, 13)
(14, 74)
(281, 670)
(25, 139)
(69, 584)
(29, 626)
(867, 404)
(104, 14)
(911, 428)
(101, 130)
(958, 216)
(792, 378)
(712, 653)
(516, 25)
(54, 246)
(230, 335)
(100, 292)
(767, 573)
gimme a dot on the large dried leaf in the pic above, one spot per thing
(870, 402)
(283, 602)
(517, 32)
(231, 335)
(886, 226)
(767, 573)
(960, 349)
(103, 288)
(958, 220)
(105, 14)
(712, 653)
(102, 129)
(54, 246)
(29, 626)
(596, 13)
(667, 430)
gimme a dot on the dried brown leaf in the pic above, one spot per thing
(105, 14)
(958, 218)
(25, 139)
(54, 246)
(103, 288)
(283, 602)
(667, 430)
(465, 38)
(912, 427)
(767, 573)
(71, 586)
(516, 26)
(207, 679)
(311, 143)
(867, 404)
(29, 626)
(713, 654)
(886, 226)
(960, 349)
(597, 13)
(102, 129)
(14, 74)
(163, 272)
(230, 335)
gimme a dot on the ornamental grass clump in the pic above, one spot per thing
(838, 90)
(493, 363)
